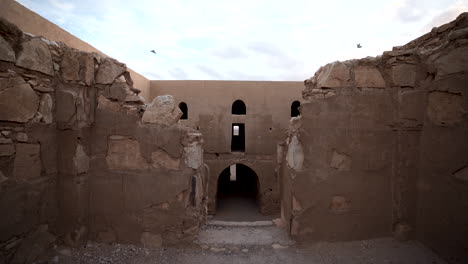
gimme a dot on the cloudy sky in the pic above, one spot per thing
(243, 39)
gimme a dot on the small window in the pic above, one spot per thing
(238, 108)
(295, 109)
(238, 138)
(183, 107)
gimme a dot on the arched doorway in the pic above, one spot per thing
(238, 194)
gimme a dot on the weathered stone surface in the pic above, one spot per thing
(6, 140)
(106, 104)
(107, 236)
(135, 98)
(124, 153)
(34, 246)
(339, 204)
(333, 75)
(36, 56)
(295, 155)
(454, 62)
(18, 101)
(461, 174)
(65, 106)
(445, 108)
(7, 150)
(81, 160)
(193, 155)
(78, 66)
(27, 163)
(340, 161)
(296, 206)
(162, 110)
(6, 52)
(368, 77)
(404, 75)
(160, 159)
(2, 178)
(151, 240)
(401, 231)
(108, 71)
(46, 109)
(21, 137)
(119, 91)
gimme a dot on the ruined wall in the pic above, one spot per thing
(81, 156)
(30, 22)
(381, 146)
(268, 106)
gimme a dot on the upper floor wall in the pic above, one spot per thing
(209, 105)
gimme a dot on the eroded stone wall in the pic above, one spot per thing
(381, 147)
(81, 156)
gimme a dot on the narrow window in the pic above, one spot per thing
(183, 107)
(295, 109)
(238, 138)
(238, 108)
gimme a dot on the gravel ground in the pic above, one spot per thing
(383, 250)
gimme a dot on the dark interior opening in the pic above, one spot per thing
(244, 185)
(237, 196)
(238, 108)
(183, 107)
(295, 109)
(238, 137)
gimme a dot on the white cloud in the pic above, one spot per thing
(243, 39)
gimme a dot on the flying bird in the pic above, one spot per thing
(359, 45)
(153, 51)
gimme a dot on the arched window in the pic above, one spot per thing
(295, 109)
(238, 108)
(183, 107)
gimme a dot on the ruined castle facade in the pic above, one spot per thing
(90, 150)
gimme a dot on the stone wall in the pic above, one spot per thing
(381, 146)
(81, 156)
(30, 22)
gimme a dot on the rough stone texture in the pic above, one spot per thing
(160, 159)
(163, 111)
(295, 155)
(445, 108)
(404, 75)
(27, 163)
(151, 240)
(7, 150)
(46, 106)
(340, 161)
(339, 205)
(77, 66)
(461, 174)
(193, 151)
(34, 246)
(6, 52)
(108, 71)
(333, 75)
(36, 56)
(124, 154)
(119, 91)
(454, 62)
(368, 77)
(81, 160)
(18, 102)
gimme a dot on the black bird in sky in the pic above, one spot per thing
(153, 51)
(359, 45)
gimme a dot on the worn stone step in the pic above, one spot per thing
(240, 224)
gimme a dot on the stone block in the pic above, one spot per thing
(124, 154)
(368, 77)
(108, 71)
(27, 164)
(162, 110)
(18, 101)
(445, 108)
(36, 56)
(6, 52)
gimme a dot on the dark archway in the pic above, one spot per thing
(238, 194)
(238, 108)
(295, 109)
(183, 107)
